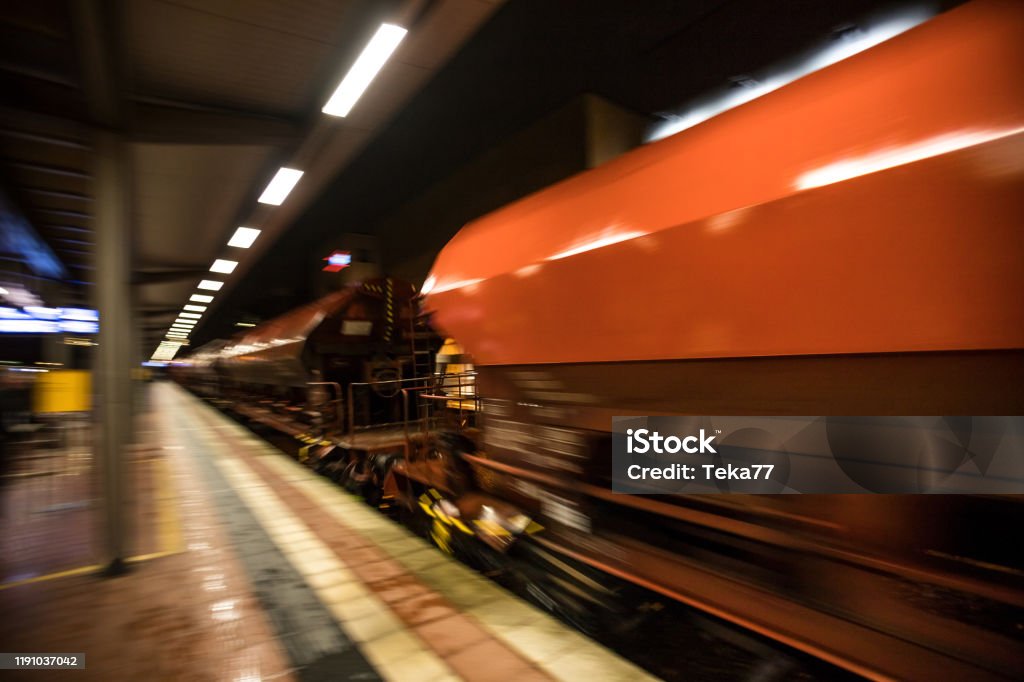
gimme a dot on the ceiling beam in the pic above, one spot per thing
(63, 213)
(141, 277)
(67, 228)
(159, 312)
(46, 168)
(56, 194)
(52, 140)
(169, 122)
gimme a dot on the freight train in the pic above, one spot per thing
(849, 244)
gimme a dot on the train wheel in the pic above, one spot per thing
(379, 468)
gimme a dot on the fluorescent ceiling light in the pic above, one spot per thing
(210, 285)
(194, 316)
(245, 324)
(366, 68)
(279, 188)
(200, 298)
(224, 266)
(195, 308)
(190, 323)
(166, 350)
(244, 237)
(181, 327)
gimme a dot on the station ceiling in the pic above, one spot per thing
(216, 95)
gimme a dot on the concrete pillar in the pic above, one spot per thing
(115, 352)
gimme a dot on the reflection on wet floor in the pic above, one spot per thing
(49, 501)
(260, 569)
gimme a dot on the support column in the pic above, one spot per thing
(114, 359)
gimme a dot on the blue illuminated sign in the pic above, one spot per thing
(42, 320)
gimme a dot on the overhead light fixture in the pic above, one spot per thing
(195, 308)
(181, 327)
(366, 68)
(279, 188)
(166, 350)
(200, 298)
(210, 285)
(224, 266)
(245, 324)
(189, 323)
(244, 237)
(194, 316)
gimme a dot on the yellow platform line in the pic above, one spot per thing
(81, 570)
(169, 531)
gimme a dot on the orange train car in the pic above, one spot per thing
(873, 207)
(850, 243)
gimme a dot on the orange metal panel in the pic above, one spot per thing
(738, 258)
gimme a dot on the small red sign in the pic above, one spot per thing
(338, 261)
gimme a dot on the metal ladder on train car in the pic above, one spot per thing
(422, 358)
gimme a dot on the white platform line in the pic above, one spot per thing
(397, 653)
(552, 646)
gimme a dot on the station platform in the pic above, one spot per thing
(251, 567)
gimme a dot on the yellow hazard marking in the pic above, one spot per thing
(81, 570)
(441, 536)
(492, 528)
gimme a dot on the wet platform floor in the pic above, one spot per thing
(259, 569)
